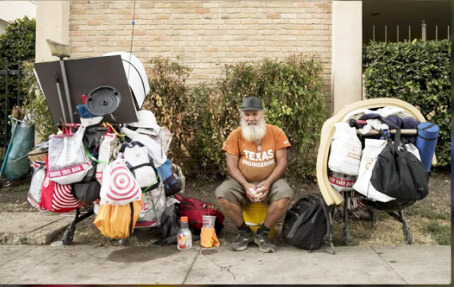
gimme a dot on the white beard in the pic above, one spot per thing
(253, 133)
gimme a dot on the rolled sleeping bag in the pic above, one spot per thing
(426, 142)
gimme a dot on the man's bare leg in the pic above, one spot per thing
(276, 211)
(232, 211)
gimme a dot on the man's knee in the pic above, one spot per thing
(223, 202)
(281, 204)
(281, 191)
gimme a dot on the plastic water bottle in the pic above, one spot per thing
(184, 238)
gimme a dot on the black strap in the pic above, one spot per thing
(131, 205)
(425, 128)
(428, 139)
(152, 186)
(131, 168)
(428, 126)
(150, 163)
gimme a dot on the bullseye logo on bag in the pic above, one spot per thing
(122, 186)
(63, 198)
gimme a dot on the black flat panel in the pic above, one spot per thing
(84, 75)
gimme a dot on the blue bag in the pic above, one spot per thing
(426, 141)
(171, 185)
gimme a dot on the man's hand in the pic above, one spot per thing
(251, 192)
(263, 188)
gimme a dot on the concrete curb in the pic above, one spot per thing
(31, 227)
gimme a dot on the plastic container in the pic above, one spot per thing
(254, 215)
(184, 237)
(208, 221)
(426, 142)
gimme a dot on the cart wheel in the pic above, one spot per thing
(124, 242)
(68, 235)
(408, 236)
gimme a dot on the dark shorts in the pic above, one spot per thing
(234, 192)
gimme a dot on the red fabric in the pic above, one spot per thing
(58, 197)
(194, 209)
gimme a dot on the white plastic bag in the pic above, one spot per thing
(106, 148)
(36, 185)
(68, 162)
(119, 187)
(153, 207)
(363, 185)
(345, 151)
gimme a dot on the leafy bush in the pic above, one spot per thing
(16, 44)
(419, 73)
(202, 117)
(169, 101)
(36, 104)
(18, 41)
(291, 91)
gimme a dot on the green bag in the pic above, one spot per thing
(16, 164)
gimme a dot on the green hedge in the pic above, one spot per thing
(16, 44)
(419, 73)
(202, 117)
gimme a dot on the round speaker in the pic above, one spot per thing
(103, 100)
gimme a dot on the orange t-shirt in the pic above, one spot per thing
(255, 164)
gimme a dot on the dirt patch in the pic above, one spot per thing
(385, 230)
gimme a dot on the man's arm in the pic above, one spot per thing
(278, 172)
(235, 173)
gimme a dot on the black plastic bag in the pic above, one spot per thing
(398, 173)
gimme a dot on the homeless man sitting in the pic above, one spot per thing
(256, 161)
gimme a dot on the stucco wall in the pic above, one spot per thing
(204, 35)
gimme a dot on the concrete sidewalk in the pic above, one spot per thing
(84, 264)
(30, 259)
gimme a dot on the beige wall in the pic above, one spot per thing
(204, 35)
(11, 10)
(52, 22)
(347, 53)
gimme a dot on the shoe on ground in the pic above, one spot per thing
(264, 243)
(243, 240)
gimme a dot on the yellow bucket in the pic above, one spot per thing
(255, 214)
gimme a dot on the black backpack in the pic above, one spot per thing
(307, 222)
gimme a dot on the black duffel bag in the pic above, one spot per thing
(398, 173)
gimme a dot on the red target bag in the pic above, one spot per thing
(57, 197)
(119, 186)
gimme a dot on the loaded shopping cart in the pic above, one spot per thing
(358, 179)
(110, 156)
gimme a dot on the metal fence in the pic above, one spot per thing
(10, 91)
(397, 33)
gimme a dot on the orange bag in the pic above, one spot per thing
(208, 238)
(114, 221)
